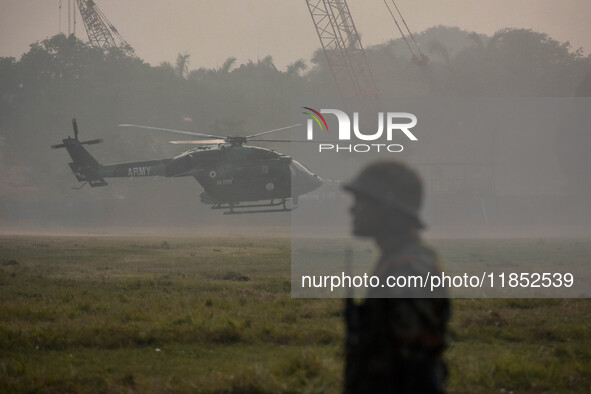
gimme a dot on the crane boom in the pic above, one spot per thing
(342, 46)
(101, 32)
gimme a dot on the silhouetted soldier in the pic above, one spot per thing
(395, 338)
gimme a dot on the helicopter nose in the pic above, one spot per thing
(312, 182)
(304, 181)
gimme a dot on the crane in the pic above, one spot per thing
(418, 58)
(342, 46)
(101, 32)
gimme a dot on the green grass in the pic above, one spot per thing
(215, 315)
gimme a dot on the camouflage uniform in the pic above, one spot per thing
(395, 338)
(394, 345)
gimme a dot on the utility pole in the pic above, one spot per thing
(74, 19)
(69, 12)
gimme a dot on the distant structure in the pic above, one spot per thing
(342, 46)
(418, 57)
(101, 32)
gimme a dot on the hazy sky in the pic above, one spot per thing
(211, 31)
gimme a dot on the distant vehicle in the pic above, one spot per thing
(235, 177)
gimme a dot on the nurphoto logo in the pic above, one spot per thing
(393, 123)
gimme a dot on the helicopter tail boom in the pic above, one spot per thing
(85, 167)
(135, 169)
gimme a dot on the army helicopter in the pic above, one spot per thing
(235, 177)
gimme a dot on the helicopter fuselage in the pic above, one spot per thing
(229, 174)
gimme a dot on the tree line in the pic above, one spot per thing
(62, 77)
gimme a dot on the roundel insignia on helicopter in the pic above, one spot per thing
(270, 186)
(212, 174)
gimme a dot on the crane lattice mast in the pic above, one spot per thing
(342, 46)
(101, 33)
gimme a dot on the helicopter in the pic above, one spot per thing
(235, 177)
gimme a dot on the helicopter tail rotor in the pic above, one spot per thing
(75, 127)
(84, 166)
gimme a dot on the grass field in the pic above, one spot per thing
(151, 315)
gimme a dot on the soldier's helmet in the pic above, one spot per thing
(393, 184)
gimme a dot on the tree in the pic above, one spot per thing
(297, 67)
(182, 65)
(228, 65)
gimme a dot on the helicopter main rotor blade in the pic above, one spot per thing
(171, 130)
(265, 140)
(273, 131)
(199, 142)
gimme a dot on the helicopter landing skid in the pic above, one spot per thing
(258, 211)
(234, 209)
